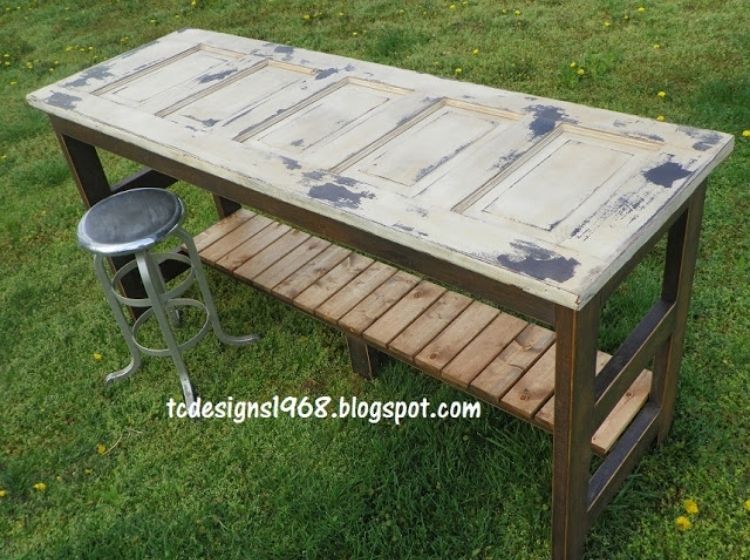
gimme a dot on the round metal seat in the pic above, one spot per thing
(130, 223)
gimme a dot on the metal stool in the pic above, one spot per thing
(130, 223)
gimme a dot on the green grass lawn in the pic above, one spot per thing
(292, 488)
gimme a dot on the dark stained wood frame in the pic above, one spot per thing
(582, 400)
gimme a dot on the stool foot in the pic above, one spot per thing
(208, 300)
(125, 372)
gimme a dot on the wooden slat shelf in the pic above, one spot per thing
(496, 357)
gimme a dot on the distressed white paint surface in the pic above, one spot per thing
(544, 195)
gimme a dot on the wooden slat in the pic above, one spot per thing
(252, 246)
(502, 372)
(221, 228)
(623, 413)
(417, 335)
(479, 352)
(534, 388)
(271, 254)
(378, 302)
(458, 334)
(310, 273)
(545, 415)
(355, 291)
(618, 420)
(331, 282)
(398, 317)
(235, 238)
(291, 263)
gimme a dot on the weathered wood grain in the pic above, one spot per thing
(428, 325)
(398, 317)
(355, 291)
(455, 337)
(502, 372)
(378, 302)
(331, 282)
(462, 369)
(291, 263)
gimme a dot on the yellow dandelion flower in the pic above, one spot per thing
(607, 23)
(517, 13)
(662, 94)
(3, 492)
(97, 357)
(580, 71)
(92, 48)
(683, 523)
(657, 46)
(626, 17)
(101, 449)
(354, 33)
(13, 82)
(306, 17)
(151, 21)
(458, 71)
(40, 486)
(6, 63)
(691, 506)
(747, 502)
(6, 55)
(69, 48)
(641, 9)
(452, 7)
(475, 52)
(746, 133)
(573, 64)
(660, 118)
(193, 3)
(341, 14)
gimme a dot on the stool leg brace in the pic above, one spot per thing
(164, 312)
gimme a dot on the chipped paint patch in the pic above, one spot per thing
(63, 100)
(286, 51)
(341, 197)
(315, 175)
(418, 210)
(98, 72)
(216, 76)
(325, 73)
(546, 118)
(666, 174)
(433, 166)
(290, 163)
(707, 141)
(346, 181)
(539, 263)
(297, 142)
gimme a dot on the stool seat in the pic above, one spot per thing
(130, 221)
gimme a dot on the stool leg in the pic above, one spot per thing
(127, 332)
(207, 298)
(150, 270)
(159, 284)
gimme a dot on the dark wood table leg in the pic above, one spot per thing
(364, 358)
(575, 357)
(682, 250)
(225, 206)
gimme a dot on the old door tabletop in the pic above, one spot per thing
(546, 196)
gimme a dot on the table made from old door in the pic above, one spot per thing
(541, 206)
